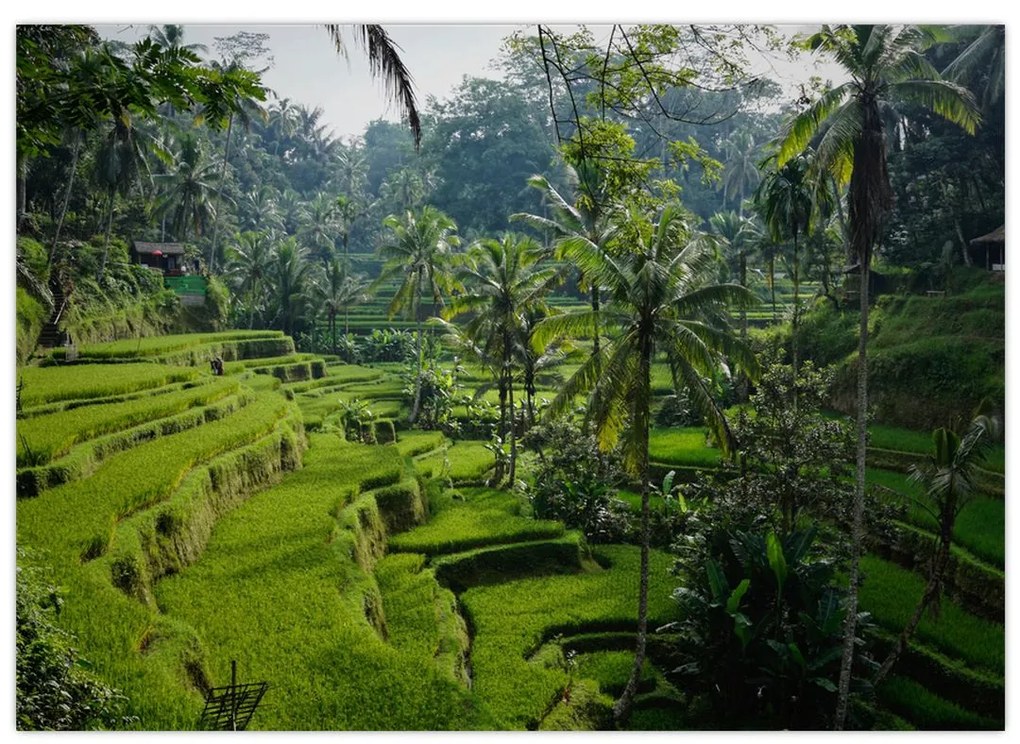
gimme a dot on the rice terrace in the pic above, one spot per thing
(617, 387)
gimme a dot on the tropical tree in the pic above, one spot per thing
(338, 292)
(384, 61)
(579, 227)
(661, 302)
(740, 171)
(248, 267)
(188, 190)
(784, 200)
(418, 250)
(319, 227)
(289, 274)
(948, 481)
(885, 65)
(503, 280)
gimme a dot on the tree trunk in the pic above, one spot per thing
(857, 518)
(796, 315)
(417, 380)
(219, 195)
(67, 195)
(21, 197)
(931, 592)
(106, 240)
(512, 475)
(595, 345)
(772, 286)
(622, 707)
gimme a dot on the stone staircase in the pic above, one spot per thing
(51, 334)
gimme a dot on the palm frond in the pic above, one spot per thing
(951, 101)
(384, 62)
(797, 135)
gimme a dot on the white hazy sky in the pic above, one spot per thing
(439, 45)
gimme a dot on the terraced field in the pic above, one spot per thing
(194, 520)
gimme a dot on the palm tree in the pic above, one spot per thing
(340, 290)
(319, 228)
(241, 109)
(289, 274)
(661, 302)
(948, 480)
(419, 248)
(885, 65)
(503, 280)
(784, 200)
(580, 227)
(188, 190)
(740, 172)
(119, 163)
(248, 265)
(384, 61)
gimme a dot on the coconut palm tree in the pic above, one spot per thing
(579, 227)
(948, 481)
(384, 61)
(289, 275)
(784, 200)
(886, 65)
(503, 280)
(319, 227)
(419, 249)
(188, 190)
(661, 301)
(338, 292)
(248, 267)
(740, 172)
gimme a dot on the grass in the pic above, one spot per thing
(157, 345)
(926, 710)
(78, 517)
(278, 590)
(415, 443)
(890, 593)
(49, 436)
(480, 517)
(684, 446)
(511, 620)
(71, 382)
(980, 527)
(464, 461)
(422, 620)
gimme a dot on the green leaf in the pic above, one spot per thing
(796, 655)
(777, 561)
(667, 482)
(738, 593)
(825, 683)
(717, 581)
(742, 629)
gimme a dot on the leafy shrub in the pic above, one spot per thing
(761, 622)
(575, 482)
(54, 690)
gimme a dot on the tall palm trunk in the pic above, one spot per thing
(418, 353)
(106, 239)
(870, 201)
(512, 475)
(796, 316)
(622, 707)
(219, 195)
(595, 344)
(857, 516)
(931, 592)
(67, 194)
(772, 285)
(21, 196)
